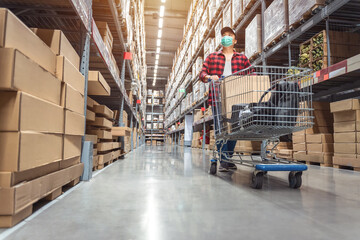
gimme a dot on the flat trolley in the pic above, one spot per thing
(261, 103)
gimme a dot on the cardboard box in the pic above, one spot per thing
(323, 118)
(349, 148)
(91, 138)
(300, 156)
(104, 111)
(324, 106)
(104, 158)
(59, 44)
(20, 111)
(345, 105)
(15, 34)
(346, 116)
(7, 221)
(320, 147)
(351, 162)
(72, 99)
(72, 146)
(74, 123)
(348, 137)
(317, 130)
(120, 131)
(102, 123)
(24, 150)
(105, 146)
(19, 73)
(299, 147)
(320, 157)
(116, 145)
(345, 155)
(90, 103)
(116, 154)
(68, 73)
(319, 138)
(15, 199)
(101, 134)
(90, 116)
(97, 85)
(346, 127)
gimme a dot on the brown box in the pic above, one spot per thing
(91, 138)
(317, 130)
(102, 122)
(19, 73)
(345, 105)
(299, 147)
(347, 137)
(67, 73)
(324, 106)
(116, 145)
(323, 118)
(300, 156)
(120, 131)
(345, 155)
(320, 147)
(90, 103)
(74, 123)
(346, 116)
(15, 34)
(59, 44)
(97, 84)
(20, 111)
(101, 134)
(72, 146)
(15, 199)
(24, 150)
(103, 111)
(90, 116)
(346, 127)
(319, 138)
(72, 99)
(320, 157)
(105, 158)
(116, 154)
(349, 148)
(105, 146)
(351, 162)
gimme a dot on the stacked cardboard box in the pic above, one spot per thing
(247, 146)
(105, 34)
(212, 144)
(346, 136)
(123, 132)
(282, 150)
(39, 126)
(196, 142)
(315, 145)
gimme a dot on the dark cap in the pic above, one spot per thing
(227, 29)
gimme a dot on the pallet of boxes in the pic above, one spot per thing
(41, 117)
(347, 134)
(316, 145)
(99, 120)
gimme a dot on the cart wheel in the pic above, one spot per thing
(295, 180)
(213, 168)
(257, 180)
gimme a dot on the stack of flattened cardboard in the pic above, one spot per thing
(123, 132)
(105, 34)
(40, 122)
(347, 133)
(282, 150)
(315, 145)
(247, 146)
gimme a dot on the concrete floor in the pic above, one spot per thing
(166, 193)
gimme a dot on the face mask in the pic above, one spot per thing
(227, 41)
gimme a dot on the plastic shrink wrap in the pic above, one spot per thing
(276, 20)
(253, 37)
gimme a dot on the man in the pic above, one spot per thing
(217, 65)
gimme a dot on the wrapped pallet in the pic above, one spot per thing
(253, 37)
(276, 21)
(299, 8)
(227, 18)
(236, 11)
(218, 28)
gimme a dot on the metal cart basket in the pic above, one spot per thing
(261, 103)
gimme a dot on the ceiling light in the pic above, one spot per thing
(158, 50)
(163, 1)
(153, 84)
(160, 33)
(161, 22)
(162, 11)
(158, 43)
(157, 56)
(156, 63)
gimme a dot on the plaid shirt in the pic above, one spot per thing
(215, 64)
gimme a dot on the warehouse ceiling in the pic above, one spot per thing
(175, 16)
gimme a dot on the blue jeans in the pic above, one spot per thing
(228, 148)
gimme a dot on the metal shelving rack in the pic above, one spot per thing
(328, 83)
(155, 134)
(74, 18)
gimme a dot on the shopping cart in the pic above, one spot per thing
(261, 103)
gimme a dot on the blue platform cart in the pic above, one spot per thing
(261, 103)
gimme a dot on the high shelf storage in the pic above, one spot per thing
(155, 133)
(269, 32)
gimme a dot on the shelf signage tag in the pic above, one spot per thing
(127, 56)
(138, 101)
(202, 109)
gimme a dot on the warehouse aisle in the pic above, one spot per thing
(166, 193)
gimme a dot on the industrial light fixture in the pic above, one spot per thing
(156, 63)
(163, 1)
(157, 57)
(161, 22)
(162, 11)
(158, 43)
(160, 33)
(158, 50)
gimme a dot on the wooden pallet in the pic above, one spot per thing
(9, 221)
(315, 163)
(101, 166)
(277, 39)
(347, 167)
(255, 56)
(307, 15)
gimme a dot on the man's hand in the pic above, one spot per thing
(213, 78)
